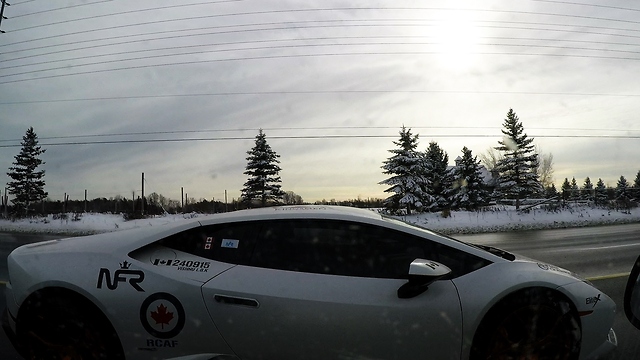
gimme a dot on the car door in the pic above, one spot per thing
(319, 289)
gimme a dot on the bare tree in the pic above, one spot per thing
(291, 198)
(490, 158)
(545, 168)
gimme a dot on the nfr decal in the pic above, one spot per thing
(134, 277)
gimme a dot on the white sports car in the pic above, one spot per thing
(291, 283)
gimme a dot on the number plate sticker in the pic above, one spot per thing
(230, 244)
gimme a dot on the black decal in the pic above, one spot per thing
(120, 275)
(593, 300)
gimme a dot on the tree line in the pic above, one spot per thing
(418, 181)
(513, 172)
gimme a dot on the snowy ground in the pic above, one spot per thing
(493, 220)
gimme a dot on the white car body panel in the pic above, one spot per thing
(441, 322)
(359, 317)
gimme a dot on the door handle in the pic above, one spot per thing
(234, 300)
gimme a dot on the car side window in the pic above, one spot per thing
(231, 243)
(351, 249)
(458, 261)
(315, 246)
(395, 250)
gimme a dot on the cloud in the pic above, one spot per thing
(306, 69)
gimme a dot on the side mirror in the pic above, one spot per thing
(632, 295)
(422, 273)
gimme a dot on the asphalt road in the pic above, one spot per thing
(590, 251)
(604, 254)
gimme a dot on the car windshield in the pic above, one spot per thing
(490, 249)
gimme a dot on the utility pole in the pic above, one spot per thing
(4, 203)
(4, 3)
(142, 200)
(85, 200)
(182, 196)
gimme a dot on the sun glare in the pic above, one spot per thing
(456, 40)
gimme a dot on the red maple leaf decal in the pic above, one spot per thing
(161, 316)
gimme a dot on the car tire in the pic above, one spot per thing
(55, 327)
(534, 323)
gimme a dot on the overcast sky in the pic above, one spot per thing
(179, 89)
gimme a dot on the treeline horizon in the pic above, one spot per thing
(156, 204)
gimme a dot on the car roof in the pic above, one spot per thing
(127, 240)
(122, 242)
(295, 212)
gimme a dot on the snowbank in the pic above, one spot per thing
(495, 219)
(499, 219)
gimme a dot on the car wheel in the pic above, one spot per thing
(54, 327)
(534, 324)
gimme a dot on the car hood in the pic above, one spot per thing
(529, 263)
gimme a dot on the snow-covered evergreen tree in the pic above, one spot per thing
(587, 190)
(405, 168)
(551, 191)
(263, 169)
(27, 185)
(471, 191)
(517, 170)
(439, 179)
(575, 190)
(622, 192)
(566, 189)
(636, 187)
(600, 193)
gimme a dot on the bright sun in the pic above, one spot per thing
(456, 40)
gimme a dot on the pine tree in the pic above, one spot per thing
(439, 179)
(566, 189)
(622, 192)
(27, 186)
(575, 190)
(636, 187)
(406, 179)
(600, 192)
(517, 170)
(551, 191)
(587, 189)
(471, 190)
(263, 169)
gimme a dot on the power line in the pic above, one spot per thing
(312, 137)
(299, 25)
(309, 45)
(226, 43)
(112, 14)
(62, 8)
(23, 2)
(287, 56)
(265, 12)
(271, 47)
(586, 4)
(308, 55)
(312, 92)
(315, 128)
